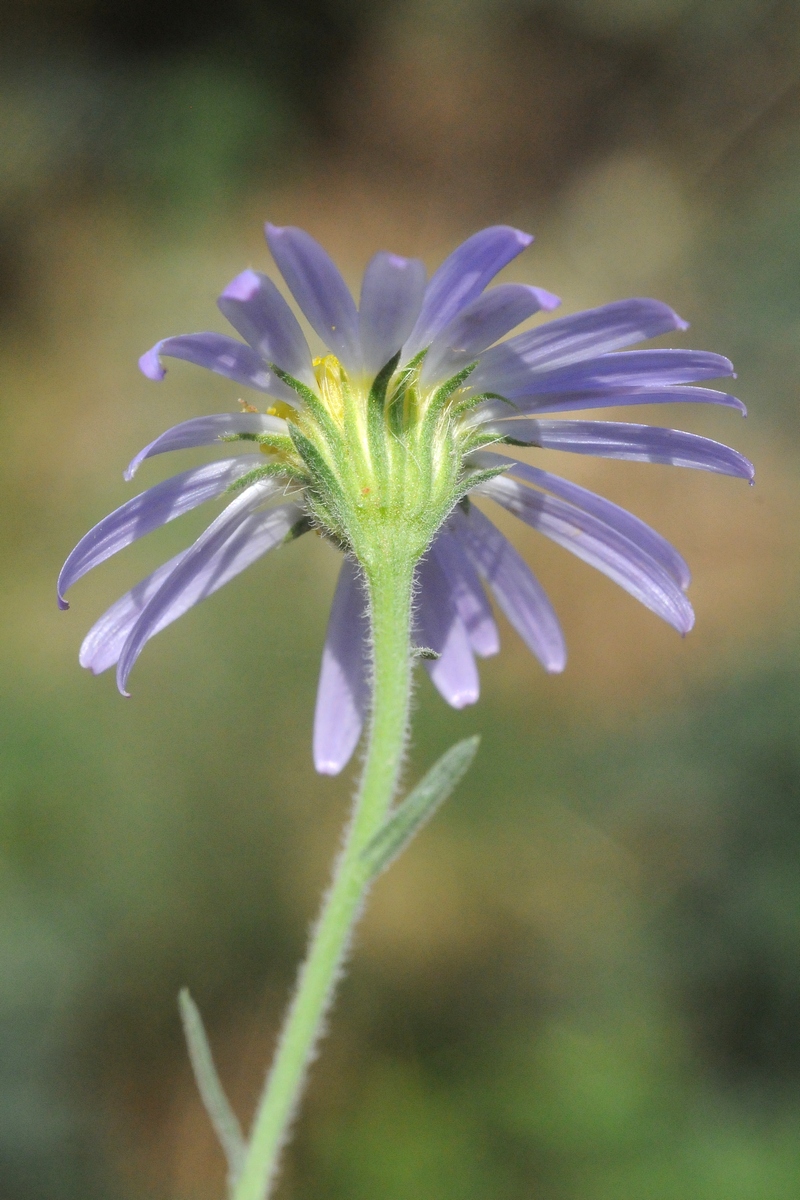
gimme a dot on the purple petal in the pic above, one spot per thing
(221, 354)
(618, 398)
(319, 289)
(599, 545)
(492, 315)
(103, 643)
(635, 443)
(343, 690)
(440, 628)
(254, 537)
(461, 277)
(205, 431)
(619, 519)
(585, 334)
(190, 576)
(148, 511)
(516, 589)
(391, 296)
(514, 378)
(467, 593)
(257, 310)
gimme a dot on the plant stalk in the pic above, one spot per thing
(389, 587)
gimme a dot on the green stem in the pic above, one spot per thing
(390, 611)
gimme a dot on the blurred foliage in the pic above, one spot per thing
(650, 1046)
(583, 981)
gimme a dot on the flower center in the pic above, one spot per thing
(383, 457)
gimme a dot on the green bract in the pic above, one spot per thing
(382, 461)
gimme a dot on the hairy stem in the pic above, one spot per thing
(390, 584)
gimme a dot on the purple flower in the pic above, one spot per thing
(439, 340)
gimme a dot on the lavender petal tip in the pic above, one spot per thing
(150, 364)
(243, 287)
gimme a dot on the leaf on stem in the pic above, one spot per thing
(418, 807)
(223, 1118)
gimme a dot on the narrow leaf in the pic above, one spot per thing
(418, 807)
(223, 1118)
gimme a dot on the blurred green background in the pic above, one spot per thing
(583, 981)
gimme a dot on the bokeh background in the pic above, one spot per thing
(583, 981)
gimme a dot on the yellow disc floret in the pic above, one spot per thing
(329, 375)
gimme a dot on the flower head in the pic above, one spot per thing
(383, 441)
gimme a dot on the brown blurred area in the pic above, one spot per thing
(582, 982)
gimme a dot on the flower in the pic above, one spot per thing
(390, 431)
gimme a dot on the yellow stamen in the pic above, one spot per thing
(279, 409)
